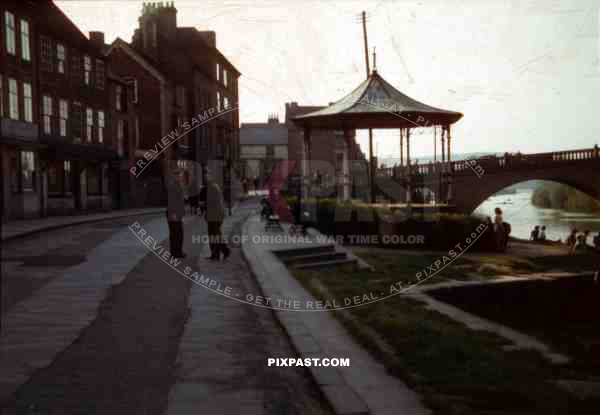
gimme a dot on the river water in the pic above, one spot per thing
(523, 216)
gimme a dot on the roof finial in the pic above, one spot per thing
(374, 60)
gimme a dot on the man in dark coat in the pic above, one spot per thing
(211, 197)
(175, 212)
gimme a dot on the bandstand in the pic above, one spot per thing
(376, 104)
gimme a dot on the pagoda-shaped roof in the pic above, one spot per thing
(377, 104)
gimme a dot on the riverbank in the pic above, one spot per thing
(458, 369)
(558, 196)
(523, 216)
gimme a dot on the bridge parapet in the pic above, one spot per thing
(490, 163)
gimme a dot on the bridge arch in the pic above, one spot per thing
(469, 190)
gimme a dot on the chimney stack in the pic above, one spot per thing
(97, 39)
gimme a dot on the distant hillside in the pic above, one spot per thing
(558, 196)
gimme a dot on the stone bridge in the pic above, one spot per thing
(465, 184)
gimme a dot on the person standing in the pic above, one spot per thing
(499, 231)
(212, 198)
(535, 234)
(572, 241)
(543, 234)
(596, 241)
(176, 212)
(256, 183)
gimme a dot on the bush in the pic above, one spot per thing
(410, 228)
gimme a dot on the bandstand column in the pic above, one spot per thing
(448, 143)
(434, 144)
(307, 154)
(401, 148)
(443, 165)
(408, 190)
(449, 177)
(347, 169)
(372, 167)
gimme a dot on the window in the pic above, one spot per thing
(218, 72)
(87, 70)
(218, 101)
(135, 99)
(225, 77)
(101, 126)
(63, 113)
(13, 99)
(120, 136)
(77, 122)
(75, 67)
(93, 180)
(118, 97)
(61, 57)
(27, 170)
(180, 96)
(154, 34)
(1, 97)
(137, 132)
(89, 124)
(47, 113)
(100, 74)
(46, 50)
(53, 185)
(27, 103)
(67, 176)
(9, 24)
(225, 103)
(25, 46)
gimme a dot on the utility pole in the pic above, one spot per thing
(371, 166)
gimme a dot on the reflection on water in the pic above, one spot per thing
(523, 216)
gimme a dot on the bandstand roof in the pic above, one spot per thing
(377, 104)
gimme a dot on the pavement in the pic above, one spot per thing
(223, 353)
(26, 227)
(364, 387)
(119, 332)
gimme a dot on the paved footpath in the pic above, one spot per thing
(222, 361)
(157, 343)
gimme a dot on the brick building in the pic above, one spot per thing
(262, 145)
(177, 73)
(54, 133)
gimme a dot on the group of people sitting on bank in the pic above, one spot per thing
(578, 242)
(538, 234)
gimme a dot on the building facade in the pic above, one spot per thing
(262, 146)
(194, 81)
(54, 127)
(77, 114)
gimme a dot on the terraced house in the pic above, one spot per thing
(76, 112)
(54, 136)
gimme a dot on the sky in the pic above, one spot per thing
(525, 74)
